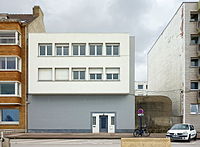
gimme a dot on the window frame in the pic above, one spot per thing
(112, 48)
(139, 86)
(197, 62)
(191, 85)
(17, 89)
(62, 49)
(45, 68)
(57, 68)
(197, 106)
(8, 122)
(192, 36)
(17, 63)
(95, 49)
(79, 48)
(46, 49)
(79, 70)
(17, 37)
(193, 13)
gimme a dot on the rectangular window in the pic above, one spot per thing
(193, 16)
(194, 62)
(45, 49)
(78, 74)
(94, 120)
(10, 37)
(9, 89)
(140, 86)
(96, 73)
(96, 49)
(194, 85)
(45, 74)
(9, 116)
(9, 63)
(112, 73)
(112, 49)
(194, 39)
(61, 74)
(112, 120)
(194, 108)
(79, 49)
(62, 49)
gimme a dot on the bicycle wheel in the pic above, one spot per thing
(136, 133)
(146, 133)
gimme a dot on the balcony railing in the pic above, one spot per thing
(198, 50)
(198, 26)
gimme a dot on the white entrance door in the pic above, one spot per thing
(99, 120)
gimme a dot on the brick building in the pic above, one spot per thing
(14, 29)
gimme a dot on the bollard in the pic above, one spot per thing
(145, 142)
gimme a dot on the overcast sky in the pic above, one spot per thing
(144, 19)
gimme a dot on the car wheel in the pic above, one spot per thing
(188, 139)
(195, 138)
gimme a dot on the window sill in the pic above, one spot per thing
(194, 66)
(3, 70)
(194, 89)
(10, 96)
(9, 123)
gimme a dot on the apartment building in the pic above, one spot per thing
(141, 88)
(14, 30)
(81, 82)
(173, 64)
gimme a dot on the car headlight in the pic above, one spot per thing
(185, 133)
(168, 132)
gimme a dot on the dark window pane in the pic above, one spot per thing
(194, 39)
(140, 86)
(112, 120)
(75, 75)
(194, 85)
(10, 115)
(92, 50)
(49, 50)
(59, 50)
(193, 108)
(65, 50)
(108, 50)
(193, 17)
(11, 63)
(99, 76)
(115, 50)
(109, 76)
(194, 62)
(92, 76)
(82, 75)
(7, 88)
(99, 49)
(75, 49)
(42, 50)
(94, 120)
(2, 63)
(115, 76)
(82, 50)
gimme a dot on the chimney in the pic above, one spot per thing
(37, 11)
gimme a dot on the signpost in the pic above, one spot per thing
(140, 113)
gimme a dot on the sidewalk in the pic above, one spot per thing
(79, 135)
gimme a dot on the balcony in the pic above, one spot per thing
(10, 38)
(198, 6)
(198, 26)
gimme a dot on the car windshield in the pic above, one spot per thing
(180, 127)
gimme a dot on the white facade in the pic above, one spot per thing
(141, 88)
(48, 64)
(171, 65)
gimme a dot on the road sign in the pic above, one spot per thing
(140, 112)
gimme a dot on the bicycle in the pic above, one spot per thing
(141, 132)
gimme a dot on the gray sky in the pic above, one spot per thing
(144, 19)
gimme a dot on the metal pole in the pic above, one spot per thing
(140, 124)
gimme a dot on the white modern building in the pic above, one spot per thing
(173, 64)
(141, 88)
(81, 82)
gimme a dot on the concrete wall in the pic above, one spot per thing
(190, 96)
(165, 63)
(72, 113)
(104, 86)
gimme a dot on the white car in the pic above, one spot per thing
(182, 132)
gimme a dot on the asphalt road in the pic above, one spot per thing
(83, 143)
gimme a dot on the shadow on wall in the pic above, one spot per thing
(157, 113)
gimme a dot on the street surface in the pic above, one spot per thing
(83, 143)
